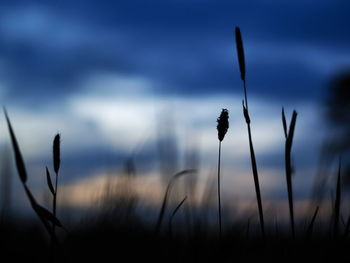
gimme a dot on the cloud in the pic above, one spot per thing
(185, 49)
(102, 131)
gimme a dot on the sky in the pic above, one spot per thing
(115, 77)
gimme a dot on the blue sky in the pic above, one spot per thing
(103, 72)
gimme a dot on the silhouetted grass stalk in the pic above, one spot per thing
(222, 128)
(56, 164)
(219, 196)
(241, 60)
(53, 189)
(289, 134)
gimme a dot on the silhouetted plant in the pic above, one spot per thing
(241, 60)
(56, 164)
(54, 189)
(289, 134)
(45, 216)
(222, 128)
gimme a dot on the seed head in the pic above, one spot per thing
(240, 52)
(222, 126)
(56, 153)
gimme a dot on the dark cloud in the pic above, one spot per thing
(183, 47)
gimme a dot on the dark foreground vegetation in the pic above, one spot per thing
(110, 242)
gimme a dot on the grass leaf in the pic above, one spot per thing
(178, 207)
(174, 213)
(284, 123)
(48, 215)
(35, 206)
(288, 163)
(184, 172)
(49, 182)
(291, 129)
(18, 156)
(311, 225)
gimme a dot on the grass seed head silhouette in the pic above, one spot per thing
(56, 153)
(240, 52)
(223, 125)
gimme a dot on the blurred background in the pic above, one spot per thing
(135, 87)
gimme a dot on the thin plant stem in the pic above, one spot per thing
(55, 200)
(289, 188)
(53, 245)
(289, 133)
(256, 181)
(253, 161)
(219, 198)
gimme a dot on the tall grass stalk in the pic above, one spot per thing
(241, 60)
(289, 134)
(53, 189)
(56, 164)
(222, 128)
